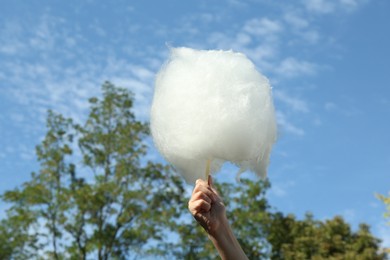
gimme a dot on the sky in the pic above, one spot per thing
(328, 62)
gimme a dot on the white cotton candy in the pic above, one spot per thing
(212, 105)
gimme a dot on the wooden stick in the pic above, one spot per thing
(208, 169)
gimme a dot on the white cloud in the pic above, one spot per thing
(331, 6)
(48, 81)
(243, 39)
(301, 28)
(329, 106)
(347, 108)
(17, 117)
(311, 36)
(317, 122)
(143, 95)
(142, 73)
(319, 6)
(286, 125)
(205, 17)
(349, 4)
(262, 27)
(292, 67)
(293, 103)
(281, 189)
(295, 21)
(9, 41)
(257, 38)
(237, 3)
(278, 191)
(261, 39)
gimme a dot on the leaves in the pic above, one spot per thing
(111, 204)
(95, 196)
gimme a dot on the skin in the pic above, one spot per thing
(209, 211)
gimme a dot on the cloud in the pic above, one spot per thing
(319, 6)
(293, 103)
(330, 106)
(9, 41)
(36, 76)
(143, 95)
(350, 4)
(286, 125)
(310, 36)
(295, 21)
(332, 6)
(253, 37)
(301, 27)
(292, 67)
(42, 87)
(347, 108)
(262, 27)
(281, 189)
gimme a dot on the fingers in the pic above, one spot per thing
(199, 202)
(199, 206)
(203, 186)
(199, 195)
(211, 185)
(207, 189)
(202, 198)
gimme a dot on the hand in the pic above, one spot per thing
(207, 207)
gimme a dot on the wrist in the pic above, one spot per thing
(221, 230)
(225, 242)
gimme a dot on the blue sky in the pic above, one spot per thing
(328, 62)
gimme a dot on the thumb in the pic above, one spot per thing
(210, 181)
(211, 185)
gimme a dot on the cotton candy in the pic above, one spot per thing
(212, 106)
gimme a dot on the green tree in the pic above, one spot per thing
(386, 201)
(264, 232)
(97, 196)
(247, 210)
(313, 239)
(110, 204)
(15, 239)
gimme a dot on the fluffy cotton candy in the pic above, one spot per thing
(212, 105)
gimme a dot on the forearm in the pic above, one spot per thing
(226, 243)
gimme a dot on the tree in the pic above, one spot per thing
(313, 239)
(16, 242)
(248, 212)
(96, 196)
(111, 204)
(386, 201)
(264, 232)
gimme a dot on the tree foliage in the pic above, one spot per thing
(313, 239)
(96, 196)
(265, 233)
(108, 205)
(386, 201)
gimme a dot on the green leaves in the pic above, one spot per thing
(313, 239)
(109, 205)
(265, 233)
(95, 196)
(386, 201)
